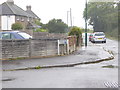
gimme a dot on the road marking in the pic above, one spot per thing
(111, 84)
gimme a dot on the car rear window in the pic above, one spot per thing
(91, 35)
(100, 34)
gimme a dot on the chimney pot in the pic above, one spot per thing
(28, 7)
(10, 1)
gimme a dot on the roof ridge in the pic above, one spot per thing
(10, 7)
(33, 13)
(27, 14)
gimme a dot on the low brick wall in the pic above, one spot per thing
(72, 43)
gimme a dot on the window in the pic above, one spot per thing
(18, 19)
(6, 36)
(28, 19)
(99, 34)
(22, 19)
(25, 35)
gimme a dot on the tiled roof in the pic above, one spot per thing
(12, 9)
(32, 13)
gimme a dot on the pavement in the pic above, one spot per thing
(85, 55)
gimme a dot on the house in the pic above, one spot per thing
(11, 13)
(35, 17)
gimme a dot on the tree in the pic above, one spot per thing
(77, 32)
(103, 16)
(56, 26)
(17, 26)
(37, 22)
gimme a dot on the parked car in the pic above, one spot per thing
(90, 36)
(98, 37)
(14, 35)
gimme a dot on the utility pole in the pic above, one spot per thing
(73, 21)
(71, 16)
(67, 17)
(86, 25)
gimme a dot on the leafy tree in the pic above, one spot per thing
(56, 26)
(38, 22)
(76, 31)
(103, 16)
(17, 26)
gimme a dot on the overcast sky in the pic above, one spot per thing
(49, 9)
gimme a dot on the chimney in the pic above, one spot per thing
(10, 2)
(28, 8)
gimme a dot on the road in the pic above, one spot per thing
(80, 76)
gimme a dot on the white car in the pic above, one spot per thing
(98, 37)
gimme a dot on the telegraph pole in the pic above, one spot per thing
(67, 17)
(71, 16)
(86, 25)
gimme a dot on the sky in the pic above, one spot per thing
(49, 9)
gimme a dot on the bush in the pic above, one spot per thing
(76, 31)
(17, 26)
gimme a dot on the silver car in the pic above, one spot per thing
(98, 37)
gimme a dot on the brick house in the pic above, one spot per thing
(35, 17)
(11, 13)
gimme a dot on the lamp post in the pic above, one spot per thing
(86, 25)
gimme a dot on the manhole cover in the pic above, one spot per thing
(111, 84)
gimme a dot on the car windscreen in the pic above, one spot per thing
(25, 35)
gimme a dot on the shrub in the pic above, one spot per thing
(76, 31)
(17, 26)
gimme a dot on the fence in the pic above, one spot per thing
(37, 47)
(28, 48)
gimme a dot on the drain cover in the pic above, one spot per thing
(111, 84)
